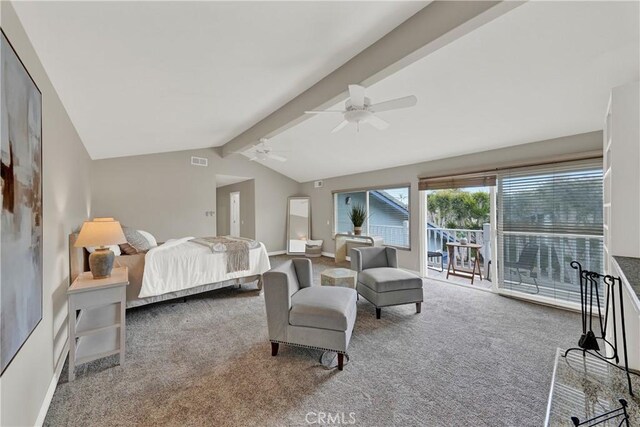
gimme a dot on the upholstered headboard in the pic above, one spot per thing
(78, 259)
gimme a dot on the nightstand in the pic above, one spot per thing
(97, 317)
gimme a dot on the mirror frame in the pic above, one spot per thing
(289, 200)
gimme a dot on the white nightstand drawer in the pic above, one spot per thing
(98, 297)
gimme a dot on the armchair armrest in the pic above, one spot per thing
(392, 257)
(277, 298)
(356, 260)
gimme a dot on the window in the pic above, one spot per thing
(548, 217)
(387, 214)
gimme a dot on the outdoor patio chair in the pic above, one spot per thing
(436, 254)
(526, 263)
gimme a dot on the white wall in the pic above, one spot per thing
(67, 202)
(322, 200)
(167, 196)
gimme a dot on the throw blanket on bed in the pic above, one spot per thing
(236, 250)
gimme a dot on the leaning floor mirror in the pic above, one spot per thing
(298, 224)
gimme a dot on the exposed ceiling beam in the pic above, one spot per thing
(433, 27)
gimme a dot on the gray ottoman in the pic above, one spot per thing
(380, 280)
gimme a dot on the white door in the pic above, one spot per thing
(235, 214)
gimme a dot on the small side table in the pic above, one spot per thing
(97, 317)
(339, 277)
(469, 274)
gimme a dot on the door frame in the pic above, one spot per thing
(232, 195)
(422, 212)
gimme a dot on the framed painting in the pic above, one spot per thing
(21, 204)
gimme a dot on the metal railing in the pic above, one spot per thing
(553, 254)
(394, 235)
(437, 239)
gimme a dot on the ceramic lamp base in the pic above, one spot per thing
(101, 263)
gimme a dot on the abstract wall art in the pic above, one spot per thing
(21, 204)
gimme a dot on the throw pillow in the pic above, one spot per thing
(136, 242)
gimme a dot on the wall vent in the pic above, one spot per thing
(318, 184)
(199, 161)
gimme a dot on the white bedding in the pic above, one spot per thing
(179, 264)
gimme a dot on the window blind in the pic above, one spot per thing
(564, 198)
(460, 181)
(547, 217)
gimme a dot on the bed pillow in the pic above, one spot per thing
(114, 248)
(152, 240)
(127, 249)
(136, 242)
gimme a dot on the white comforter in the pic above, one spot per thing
(179, 264)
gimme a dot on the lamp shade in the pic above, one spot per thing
(100, 232)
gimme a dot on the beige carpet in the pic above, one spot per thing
(471, 358)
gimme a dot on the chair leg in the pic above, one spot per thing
(340, 361)
(274, 348)
(378, 312)
(418, 307)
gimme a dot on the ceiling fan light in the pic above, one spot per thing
(355, 116)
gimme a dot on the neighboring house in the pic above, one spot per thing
(388, 216)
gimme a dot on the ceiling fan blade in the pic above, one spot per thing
(356, 93)
(276, 157)
(340, 126)
(377, 122)
(394, 104)
(323, 111)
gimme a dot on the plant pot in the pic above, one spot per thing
(357, 231)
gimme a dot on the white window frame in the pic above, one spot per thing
(366, 191)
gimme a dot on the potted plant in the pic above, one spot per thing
(357, 215)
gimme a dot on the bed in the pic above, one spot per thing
(175, 269)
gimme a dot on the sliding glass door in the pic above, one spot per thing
(548, 217)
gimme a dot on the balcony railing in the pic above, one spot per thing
(549, 261)
(437, 239)
(393, 235)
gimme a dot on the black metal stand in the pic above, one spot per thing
(588, 343)
(621, 411)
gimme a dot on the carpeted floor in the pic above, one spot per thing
(470, 358)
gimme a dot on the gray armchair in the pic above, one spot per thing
(380, 280)
(303, 314)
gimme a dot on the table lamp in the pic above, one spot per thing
(100, 233)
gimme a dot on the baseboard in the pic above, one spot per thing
(328, 254)
(52, 388)
(274, 253)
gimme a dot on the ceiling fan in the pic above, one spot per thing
(263, 151)
(358, 109)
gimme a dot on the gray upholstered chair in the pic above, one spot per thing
(303, 314)
(380, 280)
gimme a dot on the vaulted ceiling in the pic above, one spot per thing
(540, 71)
(145, 77)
